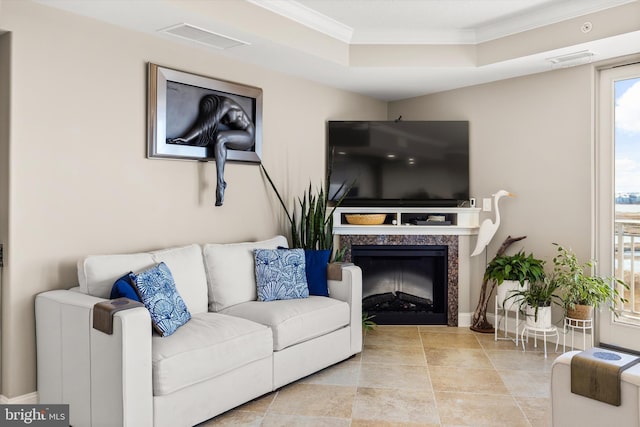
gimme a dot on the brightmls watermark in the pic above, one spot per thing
(34, 415)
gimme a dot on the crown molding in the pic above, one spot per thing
(503, 27)
(308, 17)
(543, 17)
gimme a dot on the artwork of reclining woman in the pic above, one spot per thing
(222, 124)
(198, 118)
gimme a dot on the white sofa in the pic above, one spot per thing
(569, 409)
(232, 350)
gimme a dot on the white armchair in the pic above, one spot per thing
(569, 409)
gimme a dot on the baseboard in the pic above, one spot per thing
(464, 320)
(25, 399)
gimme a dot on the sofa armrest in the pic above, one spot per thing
(349, 289)
(106, 379)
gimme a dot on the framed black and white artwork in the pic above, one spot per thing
(193, 117)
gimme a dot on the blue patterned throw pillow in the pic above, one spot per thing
(280, 274)
(159, 294)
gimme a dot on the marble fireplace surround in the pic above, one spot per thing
(451, 241)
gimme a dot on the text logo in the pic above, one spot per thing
(34, 415)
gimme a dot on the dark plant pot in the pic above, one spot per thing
(580, 312)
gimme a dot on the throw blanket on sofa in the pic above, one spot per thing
(595, 374)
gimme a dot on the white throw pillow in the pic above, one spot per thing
(231, 271)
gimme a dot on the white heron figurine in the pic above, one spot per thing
(488, 228)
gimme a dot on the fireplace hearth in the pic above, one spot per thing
(404, 284)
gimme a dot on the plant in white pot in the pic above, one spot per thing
(512, 273)
(582, 291)
(536, 301)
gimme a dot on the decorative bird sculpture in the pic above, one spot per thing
(488, 228)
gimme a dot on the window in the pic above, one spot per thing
(626, 142)
(617, 201)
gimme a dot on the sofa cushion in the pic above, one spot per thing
(231, 272)
(210, 344)
(280, 274)
(296, 320)
(187, 267)
(97, 273)
(158, 293)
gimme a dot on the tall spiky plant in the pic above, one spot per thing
(314, 228)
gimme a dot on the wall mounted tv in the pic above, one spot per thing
(399, 163)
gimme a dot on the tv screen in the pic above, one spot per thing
(399, 163)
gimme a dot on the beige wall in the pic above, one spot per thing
(80, 182)
(531, 136)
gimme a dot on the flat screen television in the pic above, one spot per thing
(399, 163)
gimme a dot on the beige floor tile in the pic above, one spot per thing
(260, 405)
(488, 342)
(470, 409)
(536, 409)
(314, 400)
(446, 340)
(377, 423)
(459, 358)
(520, 361)
(344, 373)
(398, 355)
(394, 376)
(445, 378)
(393, 336)
(234, 418)
(446, 329)
(527, 383)
(404, 330)
(301, 421)
(394, 405)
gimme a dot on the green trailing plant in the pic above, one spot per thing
(519, 267)
(541, 293)
(367, 321)
(579, 286)
(312, 222)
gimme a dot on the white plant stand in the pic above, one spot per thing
(503, 306)
(577, 325)
(543, 333)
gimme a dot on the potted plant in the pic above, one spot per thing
(581, 290)
(536, 301)
(311, 225)
(511, 273)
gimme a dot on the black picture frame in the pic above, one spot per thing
(173, 101)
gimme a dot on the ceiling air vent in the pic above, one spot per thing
(200, 35)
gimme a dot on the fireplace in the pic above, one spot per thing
(438, 263)
(403, 284)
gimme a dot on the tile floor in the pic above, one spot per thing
(414, 376)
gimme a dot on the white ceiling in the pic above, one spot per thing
(325, 40)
